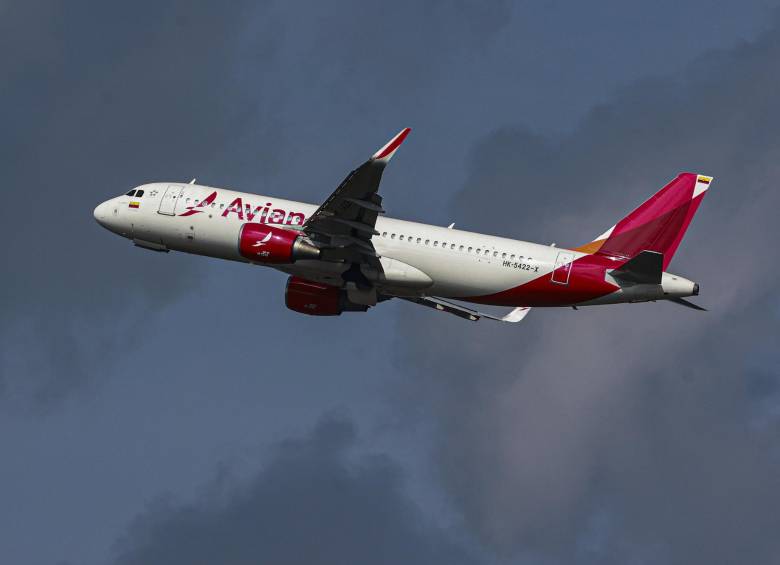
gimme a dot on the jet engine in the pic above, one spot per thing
(262, 243)
(316, 299)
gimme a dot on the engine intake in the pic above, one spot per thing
(317, 299)
(261, 243)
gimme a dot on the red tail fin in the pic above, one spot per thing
(657, 225)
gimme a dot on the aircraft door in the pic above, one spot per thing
(563, 264)
(170, 198)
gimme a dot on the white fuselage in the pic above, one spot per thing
(459, 264)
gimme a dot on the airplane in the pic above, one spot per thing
(346, 256)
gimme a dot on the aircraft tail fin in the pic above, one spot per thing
(658, 225)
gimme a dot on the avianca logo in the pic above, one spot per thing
(261, 243)
(264, 240)
(247, 212)
(191, 210)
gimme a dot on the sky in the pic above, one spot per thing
(165, 408)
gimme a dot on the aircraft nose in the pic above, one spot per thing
(108, 215)
(100, 213)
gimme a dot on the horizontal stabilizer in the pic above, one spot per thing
(645, 268)
(683, 302)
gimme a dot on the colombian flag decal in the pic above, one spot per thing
(134, 204)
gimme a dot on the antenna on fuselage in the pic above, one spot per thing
(452, 225)
(193, 181)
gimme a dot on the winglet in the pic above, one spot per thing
(387, 152)
(516, 315)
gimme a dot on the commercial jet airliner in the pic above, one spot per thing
(345, 256)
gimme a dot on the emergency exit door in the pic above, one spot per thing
(170, 198)
(562, 271)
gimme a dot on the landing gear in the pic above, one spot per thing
(355, 275)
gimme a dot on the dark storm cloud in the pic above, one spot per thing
(99, 94)
(315, 501)
(404, 44)
(552, 461)
(104, 96)
(644, 433)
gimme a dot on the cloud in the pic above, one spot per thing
(317, 500)
(111, 96)
(104, 94)
(629, 433)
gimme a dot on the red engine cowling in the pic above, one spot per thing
(317, 299)
(262, 243)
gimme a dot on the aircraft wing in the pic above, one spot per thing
(442, 305)
(344, 224)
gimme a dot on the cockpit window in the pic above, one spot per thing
(139, 193)
(131, 193)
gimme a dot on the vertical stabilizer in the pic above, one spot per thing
(657, 225)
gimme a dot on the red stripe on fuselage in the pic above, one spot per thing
(586, 282)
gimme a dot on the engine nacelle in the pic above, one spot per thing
(262, 243)
(317, 299)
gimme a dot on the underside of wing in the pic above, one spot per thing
(460, 311)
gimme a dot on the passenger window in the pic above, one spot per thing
(479, 251)
(461, 248)
(512, 257)
(384, 234)
(503, 255)
(392, 236)
(470, 248)
(419, 240)
(130, 193)
(222, 205)
(495, 254)
(436, 244)
(452, 246)
(139, 193)
(400, 238)
(427, 241)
